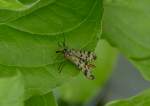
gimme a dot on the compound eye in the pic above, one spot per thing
(65, 50)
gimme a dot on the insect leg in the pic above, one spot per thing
(61, 65)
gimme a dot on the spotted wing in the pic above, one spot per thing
(82, 65)
(84, 55)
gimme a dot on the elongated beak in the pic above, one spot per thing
(60, 51)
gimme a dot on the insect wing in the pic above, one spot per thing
(84, 55)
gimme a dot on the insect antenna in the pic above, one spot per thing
(62, 45)
(64, 42)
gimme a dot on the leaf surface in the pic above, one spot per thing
(43, 100)
(11, 87)
(126, 26)
(29, 40)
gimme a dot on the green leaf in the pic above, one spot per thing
(126, 26)
(80, 89)
(56, 17)
(43, 100)
(15, 5)
(11, 87)
(29, 41)
(142, 99)
(13, 9)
